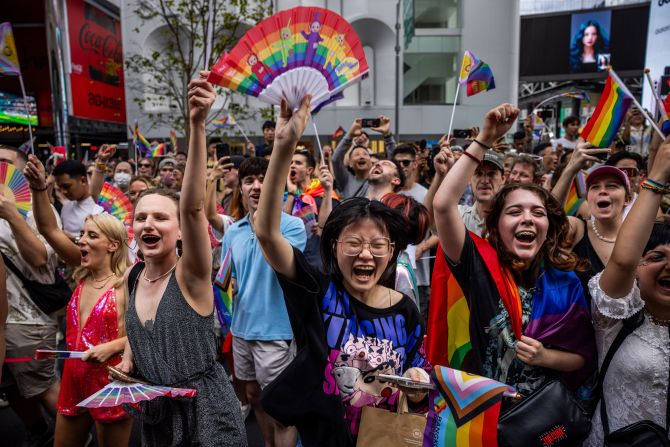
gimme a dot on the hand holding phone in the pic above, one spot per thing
(222, 150)
(371, 122)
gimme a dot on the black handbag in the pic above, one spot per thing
(48, 297)
(640, 434)
(551, 416)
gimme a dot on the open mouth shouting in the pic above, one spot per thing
(364, 273)
(525, 236)
(664, 284)
(603, 204)
(150, 240)
(84, 254)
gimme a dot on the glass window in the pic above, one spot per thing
(436, 14)
(430, 71)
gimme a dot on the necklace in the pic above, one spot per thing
(103, 280)
(600, 236)
(159, 276)
(656, 321)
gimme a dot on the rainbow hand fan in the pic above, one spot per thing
(116, 203)
(304, 50)
(118, 392)
(14, 186)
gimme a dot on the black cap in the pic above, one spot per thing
(236, 160)
(269, 125)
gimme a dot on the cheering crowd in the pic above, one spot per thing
(338, 268)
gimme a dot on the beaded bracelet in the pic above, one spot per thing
(654, 186)
(39, 189)
(469, 155)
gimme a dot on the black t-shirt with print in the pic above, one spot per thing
(343, 345)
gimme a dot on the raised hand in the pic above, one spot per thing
(201, 96)
(221, 168)
(35, 173)
(497, 122)
(106, 152)
(584, 153)
(291, 125)
(660, 171)
(384, 126)
(326, 178)
(356, 128)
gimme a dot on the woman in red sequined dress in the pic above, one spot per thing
(94, 318)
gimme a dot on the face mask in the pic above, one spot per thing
(122, 179)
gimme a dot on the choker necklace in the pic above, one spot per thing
(656, 321)
(103, 281)
(598, 235)
(160, 276)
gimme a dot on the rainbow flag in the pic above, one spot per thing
(463, 410)
(140, 142)
(25, 147)
(576, 194)
(610, 112)
(223, 290)
(157, 150)
(339, 133)
(9, 58)
(480, 79)
(226, 121)
(173, 141)
(470, 63)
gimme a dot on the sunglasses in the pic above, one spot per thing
(631, 172)
(145, 165)
(405, 163)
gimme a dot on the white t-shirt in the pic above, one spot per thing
(422, 266)
(567, 144)
(22, 310)
(74, 213)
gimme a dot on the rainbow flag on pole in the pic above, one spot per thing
(140, 142)
(470, 63)
(576, 194)
(173, 141)
(480, 80)
(223, 290)
(9, 59)
(226, 121)
(158, 150)
(614, 102)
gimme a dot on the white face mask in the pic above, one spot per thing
(122, 179)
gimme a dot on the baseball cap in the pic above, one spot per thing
(167, 161)
(607, 170)
(495, 158)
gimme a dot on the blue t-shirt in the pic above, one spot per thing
(259, 311)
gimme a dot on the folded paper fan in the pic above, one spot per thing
(14, 186)
(116, 203)
(48, 354)
(300, 51)
(118, 392)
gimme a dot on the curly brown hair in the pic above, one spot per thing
(557, 248)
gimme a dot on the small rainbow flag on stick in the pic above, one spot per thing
(140, 142)
(9, 59)
(223, 290)
(173, 141)
(576, 194)
(614, 102)
(339, 133)
(157, 150)
(226, 121)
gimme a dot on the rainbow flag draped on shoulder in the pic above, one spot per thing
(604, 124)
(559, 317)
(463, 409)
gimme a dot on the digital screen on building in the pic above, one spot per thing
(581, 44)
(13, 109)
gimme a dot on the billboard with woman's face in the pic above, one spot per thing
(590, 41)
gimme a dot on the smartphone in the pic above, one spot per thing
(371, 122)
(222, 150)
(461, 133)
(406, 382)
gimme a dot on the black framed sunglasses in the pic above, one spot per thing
(405, 163)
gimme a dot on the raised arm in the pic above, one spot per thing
(442, 162)
(276, 249)
(195, 267)
(43, 213)
(222, 166)
(326, 179)
(450, 228)
(619, 275)
(97, 180)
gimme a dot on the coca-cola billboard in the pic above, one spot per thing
(96, 55)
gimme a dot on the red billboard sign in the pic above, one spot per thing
(96, 55)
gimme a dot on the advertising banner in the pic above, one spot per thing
(96, 55)
(658, 51)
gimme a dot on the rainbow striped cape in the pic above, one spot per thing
(463, 409)
(559, 316)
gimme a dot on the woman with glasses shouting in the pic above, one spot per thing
(349, 325)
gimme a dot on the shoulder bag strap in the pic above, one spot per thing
(10, 265)
(365, 182)
(629, 325)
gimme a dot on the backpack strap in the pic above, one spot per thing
(629, 325)
(133, 275)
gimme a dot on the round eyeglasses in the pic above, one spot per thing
(378, 247)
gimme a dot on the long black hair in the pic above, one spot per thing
(577, 48)
(351, 211)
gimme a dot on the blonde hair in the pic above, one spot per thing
(115, 231)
